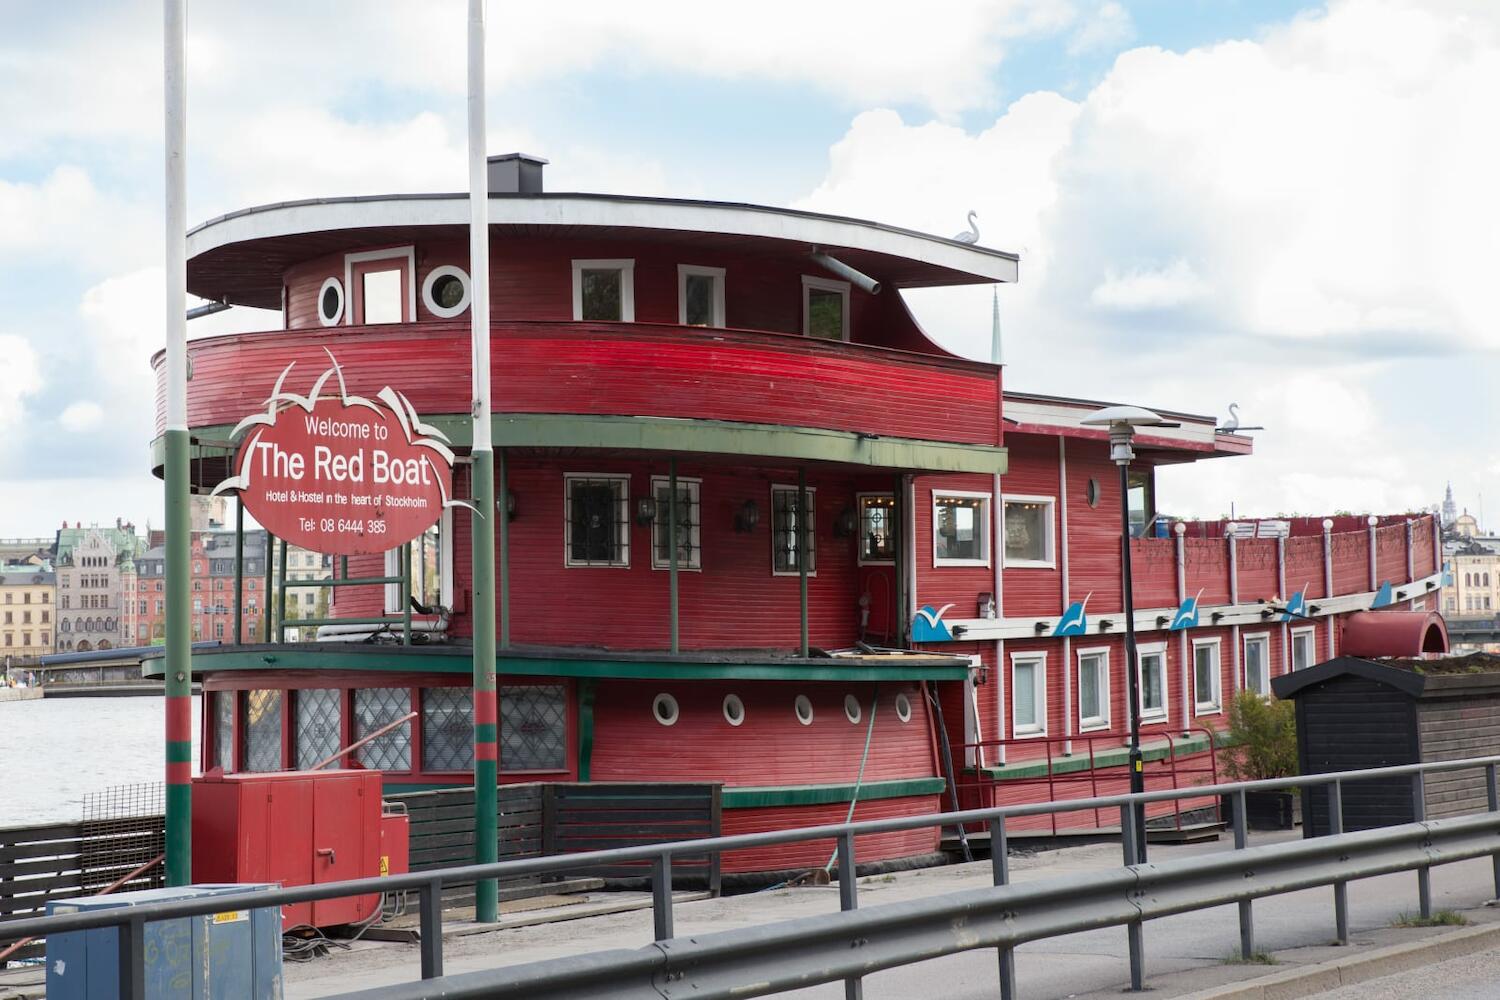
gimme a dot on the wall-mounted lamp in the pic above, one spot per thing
(1161, 621)
(987, 605)
(981, 675)
(510, 505)
(645, 510)
(1039, 627)
(1105, 624)
(1215, 616)
(844, 526)
(747, 517)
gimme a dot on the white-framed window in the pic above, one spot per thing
(596, 520)
(1028, 694)
(1029, 531)
(1257, 662)
(1304, 647)
(431, 568)
(445, 291)
(330, 307)
(604, 290)
(960, 528)
(877, 529)
(1093, 688)
(689, 523)
(825, 308)
(1151, 662)
(1206, 700)
(700, 295)
(787, 533)
(381, 286)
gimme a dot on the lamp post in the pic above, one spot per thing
(1122, 422)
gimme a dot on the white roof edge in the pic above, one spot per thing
(294, 218)
(1071, 416)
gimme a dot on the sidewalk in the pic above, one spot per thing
(1184, 954)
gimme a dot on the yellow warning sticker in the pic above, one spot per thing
(231, 916)
(385, 864)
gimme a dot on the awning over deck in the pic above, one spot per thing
(1393, 633)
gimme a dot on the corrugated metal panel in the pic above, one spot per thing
(625, 369)
(1255, 560)
(1207, 561)
(1153, 567)
(1424, 558)
(1351, 562)
(1304, 567)
(1094, 532)
(1390, 553)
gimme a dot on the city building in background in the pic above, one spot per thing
(96, 569)
(27, 612)
(212, 566)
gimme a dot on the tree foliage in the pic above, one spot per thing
(1263, 733)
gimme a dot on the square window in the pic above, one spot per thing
(1206, 677)
(689, 522)
(1028, 531)
(1028, 694)
(825, 308)
(224, 730)
(790, 532)
(960, 529)
(381, 291)
(1093, 689)
(533, 727)
(447, 729)
(375, 708)
(604, 290)
(1153, 681)
(598, 520)
(1302, 648)
(260, 747)
(700, 295)
(877, 528)
(1258, 664)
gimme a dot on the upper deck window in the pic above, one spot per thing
(445, 293)
(380, 288)
(598, 520)
(700, 295)
(960, 529)
(825, 308)
(789, 531)
(604, 290)
(1028, 531)
(877, 535)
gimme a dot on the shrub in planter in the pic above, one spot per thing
(1263, 738)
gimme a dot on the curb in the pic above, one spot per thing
(1309, 980)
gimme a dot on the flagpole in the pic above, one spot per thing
(486, 704)
(179, 668)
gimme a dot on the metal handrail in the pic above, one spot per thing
(131, 921)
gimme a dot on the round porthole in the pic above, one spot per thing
(734, 709)
(1091, 494)
(664, 708)
(331, 302)
(446, 291)
(803, 707)
(851, 708)
(903, 708)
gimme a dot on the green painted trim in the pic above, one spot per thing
(685, 435)
(482, 594)
(178, 651)
(486, 732)
(1113, 757)
(585, 729)
(457, 660)
(401, 787)
(179, 751)
(765, 796)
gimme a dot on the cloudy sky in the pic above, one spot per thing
(1291, 206)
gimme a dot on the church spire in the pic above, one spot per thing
(995, 355)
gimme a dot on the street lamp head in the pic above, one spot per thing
(1122, 422)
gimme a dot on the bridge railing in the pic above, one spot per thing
(848, 945)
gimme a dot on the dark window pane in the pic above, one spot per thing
(330, 306)
(261, 747)
(1028, 525)
(825, 314)
(601, 294)
(595, 521)
(448, 291)
(961, 527)
(877, 539)
(1139, 502)
(319, 719)
(786, 535)
(533, 728)
(447, 729)
(687, 525)
(377, 707)
(698, 293)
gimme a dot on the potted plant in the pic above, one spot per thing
(1263, 744)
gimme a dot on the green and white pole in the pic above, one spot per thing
(179, 667)
(486, 705)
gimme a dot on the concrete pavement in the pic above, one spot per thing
(1186, 953)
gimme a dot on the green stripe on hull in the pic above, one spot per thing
(766, 796)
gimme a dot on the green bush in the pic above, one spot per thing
(1263, 738)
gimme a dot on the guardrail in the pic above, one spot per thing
(851, 944)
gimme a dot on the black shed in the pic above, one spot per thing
(1354, 713)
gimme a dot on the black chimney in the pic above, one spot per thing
(516, 173)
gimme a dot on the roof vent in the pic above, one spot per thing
(516, 173)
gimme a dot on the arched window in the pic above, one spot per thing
(1468, 580)
(1486, 580)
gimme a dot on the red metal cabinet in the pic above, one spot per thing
(295, 828)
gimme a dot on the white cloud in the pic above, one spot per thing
(1153, 288)
(84, 415)
(23, 379)
(64, 217)
(1285, 222)
(1108, 26)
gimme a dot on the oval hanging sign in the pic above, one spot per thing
(341, 474)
